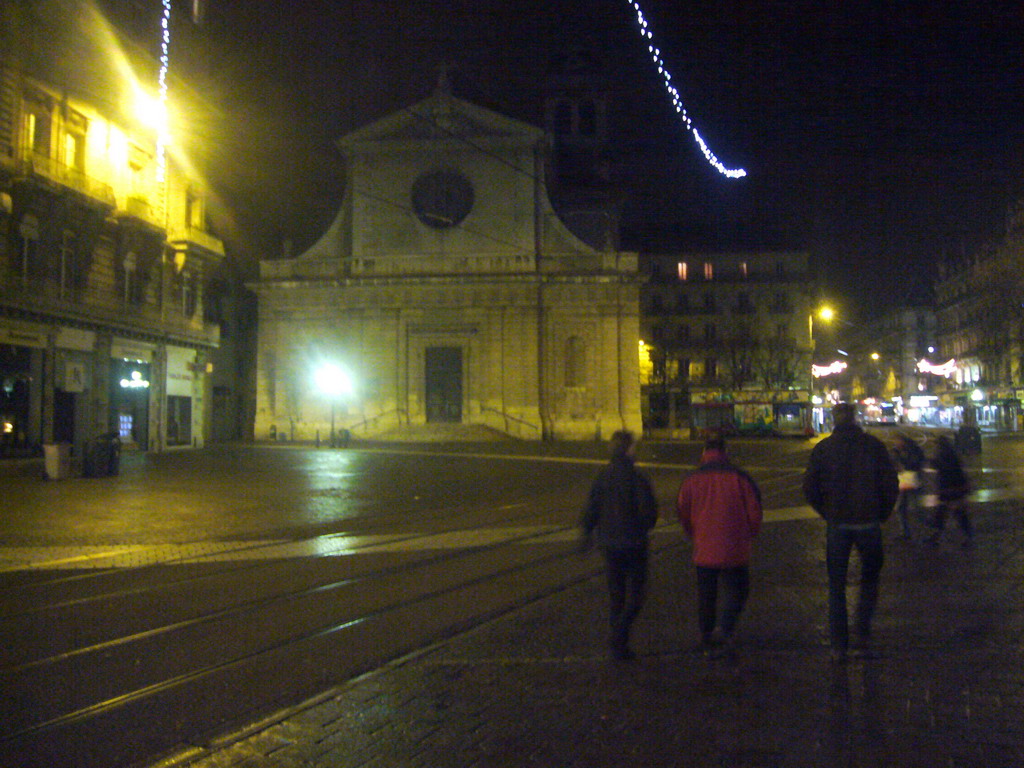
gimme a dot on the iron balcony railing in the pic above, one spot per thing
(48, 168)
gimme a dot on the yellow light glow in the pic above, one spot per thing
(150, 110)
(826, 313)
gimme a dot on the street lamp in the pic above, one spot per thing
(826, 314)
(334, 382)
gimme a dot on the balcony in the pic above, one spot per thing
(191, 238)
(40, 166)
(139, 209)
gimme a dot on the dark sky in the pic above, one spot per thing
(879, 135)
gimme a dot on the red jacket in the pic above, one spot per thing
(719, 506)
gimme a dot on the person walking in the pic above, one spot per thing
(621, 509)
(851, 482)
(719, 507)
(909, 465)
(952, 487)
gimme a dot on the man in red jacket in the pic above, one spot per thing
(719, 506)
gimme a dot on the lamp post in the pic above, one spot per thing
(825, 313)
(334, 382)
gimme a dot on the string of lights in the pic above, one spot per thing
(677, 102)
(165, 62)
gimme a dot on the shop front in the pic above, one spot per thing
(130, 391)
(22, 359)
(181, 428)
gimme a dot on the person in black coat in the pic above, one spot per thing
(851, 482)
(910, 462)
(621, 510)
(953, 487)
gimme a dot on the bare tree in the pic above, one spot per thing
(740, 351)
(778, 362)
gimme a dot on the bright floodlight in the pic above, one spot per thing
(150, 111)
(826, 314)
(333, 380)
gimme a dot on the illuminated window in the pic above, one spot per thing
(195, 210)
(709, 270)
(38, 124)
(681, 269)
(74, 141)
(140, 172)
(743, 269)
(74, 151)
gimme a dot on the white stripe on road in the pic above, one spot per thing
(135, 555)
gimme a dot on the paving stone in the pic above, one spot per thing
(534, 688)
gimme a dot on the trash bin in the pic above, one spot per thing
(102, 455)
(57, 460)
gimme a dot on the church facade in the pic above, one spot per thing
(447, 292)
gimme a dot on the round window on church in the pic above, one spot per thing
(442, 199)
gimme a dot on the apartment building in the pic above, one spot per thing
(104, 255)
(726, 341)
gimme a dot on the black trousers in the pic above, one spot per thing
(627, 589)
(736, 587)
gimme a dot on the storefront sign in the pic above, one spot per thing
(125, 349)
(73, 338)
(23, 336)
(180, 365)
(134, 381)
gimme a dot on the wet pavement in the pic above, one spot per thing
(943, 685)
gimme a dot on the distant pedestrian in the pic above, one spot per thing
(719, 506)
(952, 487)
(621, 509)
(851, 482)
(909, 464)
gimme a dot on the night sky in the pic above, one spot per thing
(881, 136)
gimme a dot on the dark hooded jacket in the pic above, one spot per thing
(850, 478)
(621, 506)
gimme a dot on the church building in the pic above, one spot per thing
(447, 298)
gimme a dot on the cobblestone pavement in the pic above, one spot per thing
(944, 685)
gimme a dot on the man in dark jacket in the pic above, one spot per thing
(851, 482)
(621, 508)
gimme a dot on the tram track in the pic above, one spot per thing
(456, 604)
(453, 519)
